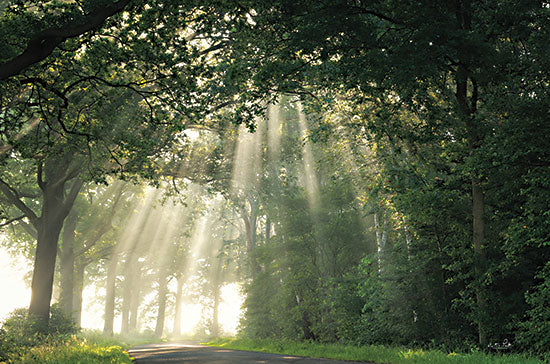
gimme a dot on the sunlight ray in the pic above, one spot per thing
(310, 176)
(274, 132)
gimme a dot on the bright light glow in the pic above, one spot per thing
(16, 293)
(93, 307)
(190, 317)
(229, 312)
(165, 222)
(247, 157)
(230, 308)
(192, 134)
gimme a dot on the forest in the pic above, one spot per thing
(362, 172)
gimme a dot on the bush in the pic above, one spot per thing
(20, 332)
(19, 323)
(534, 334)
(74, 351)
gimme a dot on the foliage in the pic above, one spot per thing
(19, 333)
(319, 236)
(535, 331)
(74, 352)
(20, 343)
(447, 101)
(420, 215)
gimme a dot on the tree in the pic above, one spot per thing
(49, 30)
(88, 237)
(53, 178)
(68, 100)
(442, 63)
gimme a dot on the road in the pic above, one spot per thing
(192, 353)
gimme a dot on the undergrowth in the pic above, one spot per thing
(61, 342)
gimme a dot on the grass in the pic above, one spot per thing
(88, 347)
(76, 352)
(125, 341)
(370, 353)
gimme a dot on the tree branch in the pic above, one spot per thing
(69, 174)
(43, 43)
(39, 176)
(12, 220)
(73, 193)
(44, 84)
(13, 197)
(105, 226)
(29, 229)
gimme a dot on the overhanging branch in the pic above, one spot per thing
(42, 44)
(13, 197)
(7, 222)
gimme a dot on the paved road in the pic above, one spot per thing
(191, 353)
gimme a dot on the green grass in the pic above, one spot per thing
(74, 351)
(88, 347)
(125, 341)
(370, 353)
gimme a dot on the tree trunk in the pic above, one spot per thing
(66, 264)
(55, 207)
(134, 306)
(267, 229)
(127, 292)
(159, 327)
(43, 272)
(467, 105)
(381, 228)
(78, 289)
(408, 236)
(110, 288)
(479, 257)
(250, 221)
(176, 332)
(306, 327)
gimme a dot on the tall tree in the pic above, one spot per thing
(68, 102)
(59, 187)
(443, 63)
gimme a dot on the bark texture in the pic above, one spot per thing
(56, 205)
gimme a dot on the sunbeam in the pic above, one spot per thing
(274, 132)
(310, 177)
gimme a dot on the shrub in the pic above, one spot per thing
(534, 333)
(20, 332)
(74, 351)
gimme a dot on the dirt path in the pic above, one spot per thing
(193, 353)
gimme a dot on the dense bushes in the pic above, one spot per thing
(21, 342)
(535, 331)
(19, 332)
